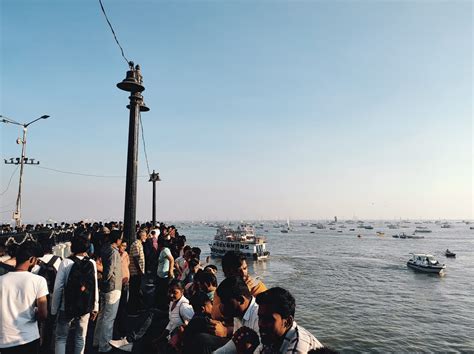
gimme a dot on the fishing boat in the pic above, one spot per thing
(449, 254)
(380, 233)
(425, 263)
(243, 241)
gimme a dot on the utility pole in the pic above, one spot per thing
(154, 177)
(22, 161)
(132, 83)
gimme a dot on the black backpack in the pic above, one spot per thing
(5, 268)
(79, 294)
(48, 272)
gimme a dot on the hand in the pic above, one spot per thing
(217, 328)
(93, 315)
(170, 275)
(246, 340)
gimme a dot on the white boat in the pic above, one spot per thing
(425, 263)
(243, 241)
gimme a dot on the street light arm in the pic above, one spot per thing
(9, 120)
(37, 119)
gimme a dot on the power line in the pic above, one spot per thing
(10, 181)
(81, 174)
(144, 145)
(113, 32)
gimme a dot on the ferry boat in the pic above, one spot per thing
(425, 263)
(243, 240)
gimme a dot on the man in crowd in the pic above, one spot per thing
(111, 290)
(137, 269)
(239, 304)
(165, 272)
(79, 246)
(279, 332)
(23, 299)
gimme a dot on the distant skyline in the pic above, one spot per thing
(259, 109)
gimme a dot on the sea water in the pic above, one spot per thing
(357, 294)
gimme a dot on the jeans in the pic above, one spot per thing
(62, 330)
(120, 324)
(105, 322)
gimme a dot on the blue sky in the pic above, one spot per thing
(259, 109)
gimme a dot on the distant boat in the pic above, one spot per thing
(380, 233)
(449, 254)
(446, 226)
(287, 229)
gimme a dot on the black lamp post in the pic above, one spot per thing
(154, 177)
(133, 83)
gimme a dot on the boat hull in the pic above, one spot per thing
(426, 269)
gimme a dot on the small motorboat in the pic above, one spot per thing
(425, 263)
(450, 254)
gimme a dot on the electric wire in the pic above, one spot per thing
(113, 32)
(10, 181)
(143, 139)
(81, 174)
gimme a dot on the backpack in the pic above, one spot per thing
(79, 294)
(48, 272)
(5, 268)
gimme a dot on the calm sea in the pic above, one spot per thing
(357, 294)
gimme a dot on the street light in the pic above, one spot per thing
(17, 213)
(154, 177)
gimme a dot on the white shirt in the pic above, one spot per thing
(18, 294)
(57, 302)
(183, 311)
(250, 320)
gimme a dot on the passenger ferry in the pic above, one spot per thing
(243, 240)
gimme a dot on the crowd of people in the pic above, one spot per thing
(155, 295)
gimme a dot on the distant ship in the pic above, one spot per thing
(243, 241)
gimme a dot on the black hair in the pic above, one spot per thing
(175, 283)
(115, 235)
(80, 243)
(233, 288)
(207, 278)
(210, 266)
(232, 261)
(198, 300)
(281, 301)
(161, 241)
(193, 263)
(27, 250)
(12, 249)
(196, 251)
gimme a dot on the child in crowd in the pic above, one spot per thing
(202, 307)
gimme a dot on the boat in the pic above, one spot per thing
(425, 263)
(450, 254)
(380, 233)
(243, 241)
(286, 229)
(446, 226)
(422, 229)
(415, 236)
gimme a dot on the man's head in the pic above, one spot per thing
(234, 264)
(276, 311)
(201, 303)
(142, 235)
(211, 268)
(235, 297)
(175, 290)
(207, 281)
(27, 255)
(115, 237)
(80, 243)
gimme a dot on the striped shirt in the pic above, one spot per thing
(136, 251)
(297, 340)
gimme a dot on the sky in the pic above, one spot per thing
(258, 109)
